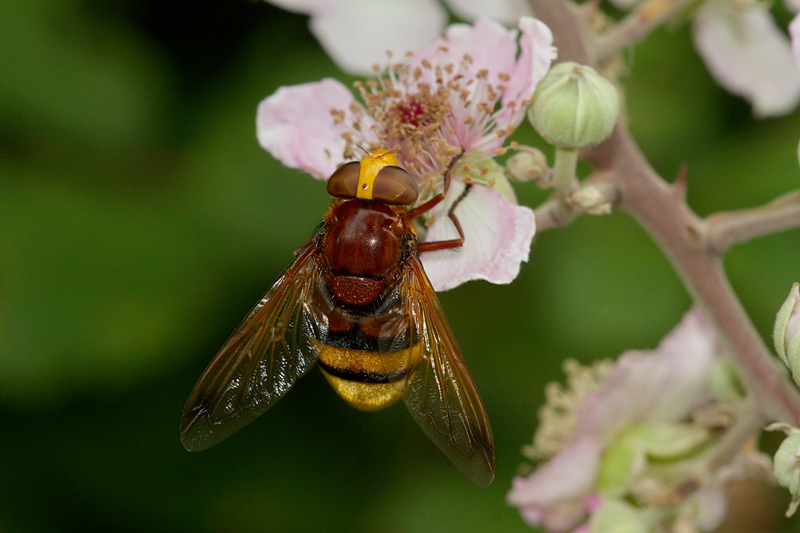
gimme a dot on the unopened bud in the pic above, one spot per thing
(574, 107)
(591, 200)
(526, 165)
(786, 334)
(786, 467)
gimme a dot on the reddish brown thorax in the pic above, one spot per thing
(363, 245)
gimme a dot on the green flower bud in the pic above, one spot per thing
(574, 107)
(786, 465)
(786, 334)
(526, 165)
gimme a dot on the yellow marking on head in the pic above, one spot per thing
(371, 164)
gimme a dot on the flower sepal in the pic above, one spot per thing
(786, 334)
(615, 516)
(786, 463)
(630, 455)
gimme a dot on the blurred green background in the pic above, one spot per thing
(140, 221)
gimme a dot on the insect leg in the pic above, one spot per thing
(450, 243)
(427, 206)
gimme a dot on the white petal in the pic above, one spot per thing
(295, 125)
(358, 33)
(748, 55)
(497, 238)
(794, 33)
(297, 6)
(505, 11)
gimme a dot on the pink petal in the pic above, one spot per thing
(358, 33)
(748, 55)
(554, 494)
(497, 238)
(662, 385)
(491, 47)
(536, 54)
(504, 11)
(295, 125)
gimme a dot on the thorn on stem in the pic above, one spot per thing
(680, 181)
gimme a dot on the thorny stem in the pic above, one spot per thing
(662, 210)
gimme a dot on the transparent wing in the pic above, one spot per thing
(441, 395)
(272, 347)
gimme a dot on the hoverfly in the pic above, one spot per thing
(357, 300)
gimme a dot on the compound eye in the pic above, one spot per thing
(394, 185)
(343, 183)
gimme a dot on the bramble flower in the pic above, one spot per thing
(465, 92)
(637, 443)
(738, 40)
(399, 25)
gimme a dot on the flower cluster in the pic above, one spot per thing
(641, 443)
(465, 93)
(738, 40)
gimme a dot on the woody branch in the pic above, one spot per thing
(694, 246)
